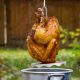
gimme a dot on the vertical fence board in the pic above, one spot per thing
(68, 14)
(1, 22)
(77, 15)
(17, 21)
(55, 9)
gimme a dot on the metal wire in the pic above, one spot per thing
(44, 8)
(44, 3)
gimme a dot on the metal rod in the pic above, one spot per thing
(44, 3)
(44, 8)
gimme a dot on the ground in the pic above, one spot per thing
(13, 60)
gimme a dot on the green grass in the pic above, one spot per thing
(15, 53)
(13, 60)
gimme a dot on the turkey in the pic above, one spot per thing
(44, 38)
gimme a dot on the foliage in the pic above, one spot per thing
(72, 57)
(13, 60)
(70, 38)
(11, 63)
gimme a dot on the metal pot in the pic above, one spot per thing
(46, 74)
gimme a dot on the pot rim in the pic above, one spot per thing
(60, 72)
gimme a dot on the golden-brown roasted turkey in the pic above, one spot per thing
(43, 39)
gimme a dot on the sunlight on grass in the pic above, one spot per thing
(15, 53)
(75, 78)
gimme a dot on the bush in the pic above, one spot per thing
(70, 56)
(70, 38)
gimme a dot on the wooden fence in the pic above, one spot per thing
(1, 23)
(20, 17)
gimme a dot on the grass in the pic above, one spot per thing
(15, 53)
(13, 60)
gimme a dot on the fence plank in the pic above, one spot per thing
(68, 14)
(1, 22)
(55, 9)
(17, 21)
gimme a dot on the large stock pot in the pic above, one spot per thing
(46, 74)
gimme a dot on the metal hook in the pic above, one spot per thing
(44, 9)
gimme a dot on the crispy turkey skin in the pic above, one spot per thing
(44, 38)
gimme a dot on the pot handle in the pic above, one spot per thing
(56, 75)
